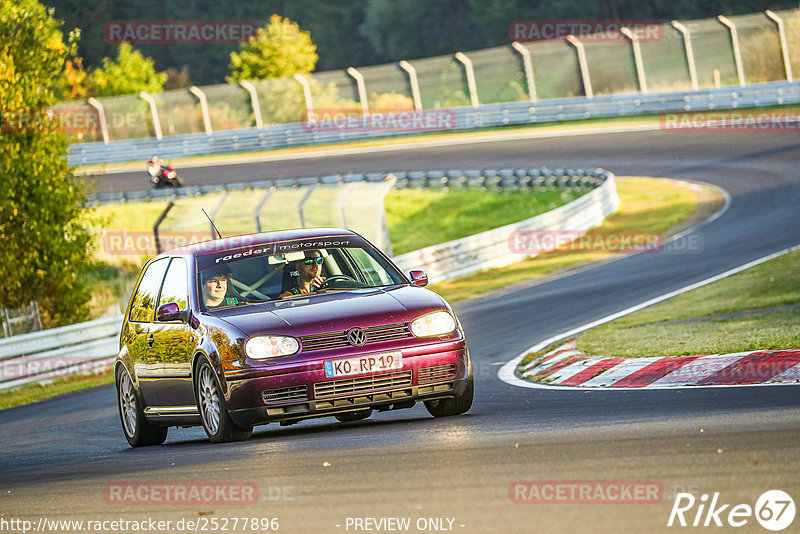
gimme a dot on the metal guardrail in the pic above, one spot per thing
(83, 348)
(492, 249)
(456, 119)
(88, 347)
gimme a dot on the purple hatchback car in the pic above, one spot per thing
(283, 326)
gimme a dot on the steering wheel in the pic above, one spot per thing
(334, 278)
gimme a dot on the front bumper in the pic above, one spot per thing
(429, 372)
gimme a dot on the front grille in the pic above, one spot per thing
(375, 334)
(437, 373)
(279, 395)
(362, 385)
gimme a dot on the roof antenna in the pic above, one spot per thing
(214, 226)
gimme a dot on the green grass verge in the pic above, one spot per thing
(419, 218)
(653, 332)
(647, 205)
(36, 392)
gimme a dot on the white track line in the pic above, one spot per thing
(507, 371)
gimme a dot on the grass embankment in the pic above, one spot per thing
(647, 205)
(756, 309)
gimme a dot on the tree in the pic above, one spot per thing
(44, 243)
(278, 50)
(130, 73)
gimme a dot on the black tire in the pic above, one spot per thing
(217, 422)
(137, 430)
(453, 406)
(350, 417)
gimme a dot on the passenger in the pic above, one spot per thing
(303, 276)
(215, 286)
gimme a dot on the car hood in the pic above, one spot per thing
(333, 312)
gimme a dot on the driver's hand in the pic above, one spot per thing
(316, 283)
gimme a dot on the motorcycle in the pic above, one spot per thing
(164, 176)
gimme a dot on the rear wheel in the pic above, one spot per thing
(217, 421)
(454, 406)
(137, 430)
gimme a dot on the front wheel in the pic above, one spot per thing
(138, 431)
(217, 421)
(455, 406)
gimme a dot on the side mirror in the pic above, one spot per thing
(170, 312)
(419, 278)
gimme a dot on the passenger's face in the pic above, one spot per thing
(215, 288)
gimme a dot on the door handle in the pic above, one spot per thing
(150, 341)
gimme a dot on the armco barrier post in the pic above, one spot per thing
(153, 113)
(637, 58)
(470, 72)
(787, 64)
(528, 65)
(101, 116)
(362, 89)
(201, 96)
(737, 52)
(584, 66)
(413, 81)
(687, 46)
(254, 103)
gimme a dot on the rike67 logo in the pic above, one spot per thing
(774, 510)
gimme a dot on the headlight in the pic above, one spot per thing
(263, 347)
(433, 324)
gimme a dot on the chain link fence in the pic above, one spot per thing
(706, 53)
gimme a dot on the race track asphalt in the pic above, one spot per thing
(58, 456)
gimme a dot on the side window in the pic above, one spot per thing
(176, 285)
(144, 300)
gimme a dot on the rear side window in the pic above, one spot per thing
(176, 285)
(144, 300)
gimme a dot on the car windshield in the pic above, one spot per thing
(251, 277)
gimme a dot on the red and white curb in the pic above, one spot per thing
(567, 366)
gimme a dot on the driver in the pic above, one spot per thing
(305, 276)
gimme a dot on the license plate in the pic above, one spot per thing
(369, 363)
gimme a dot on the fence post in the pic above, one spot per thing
(784, 46)
(737, 53)
(362, 89)
(250, 88)
(307, 94)
(473, 88)
(101, 114)
(637, 58)
(259, 208)
(158, 223)
(414, 82)
(302, 204)
(526, 62)
(687, 46)
(153, 113)
(201, 96)
(587, 80)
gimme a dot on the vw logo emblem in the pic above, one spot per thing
(356, 336)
